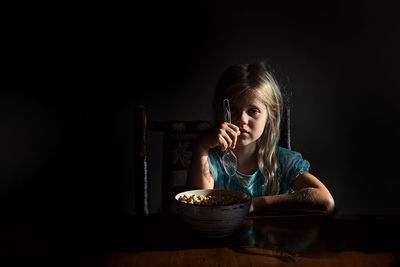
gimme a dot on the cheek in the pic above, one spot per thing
(259, 131)
(259, 127)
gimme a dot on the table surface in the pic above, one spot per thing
(161, 240)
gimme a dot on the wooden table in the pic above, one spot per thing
(160, 240)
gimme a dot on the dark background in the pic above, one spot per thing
(71, 77)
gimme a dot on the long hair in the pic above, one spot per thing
(240, 80)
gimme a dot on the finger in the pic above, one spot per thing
(234, 142)
(222, 143)
(226, 133)
(230, 128)
(233, 134)
(234, 127)
(228, 139)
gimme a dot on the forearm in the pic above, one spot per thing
(304, 200)
(199, 175)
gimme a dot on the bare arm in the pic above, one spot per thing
(310, 196)
(199, 175)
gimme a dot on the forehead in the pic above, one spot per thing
(247, 100)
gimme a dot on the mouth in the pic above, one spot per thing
(243, 131)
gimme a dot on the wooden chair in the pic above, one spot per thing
(178, 136)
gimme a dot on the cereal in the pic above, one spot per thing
(210, 200)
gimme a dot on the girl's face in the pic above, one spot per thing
(250, 115)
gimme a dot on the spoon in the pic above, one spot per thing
(229, 160)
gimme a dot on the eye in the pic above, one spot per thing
(253, 111)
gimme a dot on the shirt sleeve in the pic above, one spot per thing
(292, 165)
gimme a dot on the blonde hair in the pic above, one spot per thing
(256, 79)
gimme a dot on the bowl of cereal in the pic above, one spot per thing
(213, 212)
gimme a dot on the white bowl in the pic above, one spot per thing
(214, 220)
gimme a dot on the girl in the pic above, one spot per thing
(277, 178)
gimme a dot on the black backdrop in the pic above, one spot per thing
(72, 75)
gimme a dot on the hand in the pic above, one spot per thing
(251, 210)
(258, 204)
(223, 135)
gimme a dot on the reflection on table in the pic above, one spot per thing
(161, 240)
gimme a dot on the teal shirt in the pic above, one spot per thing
(290, 165)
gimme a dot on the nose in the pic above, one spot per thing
(242, 118)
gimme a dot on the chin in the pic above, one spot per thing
(245, 142)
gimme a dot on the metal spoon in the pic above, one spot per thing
(229, 160)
